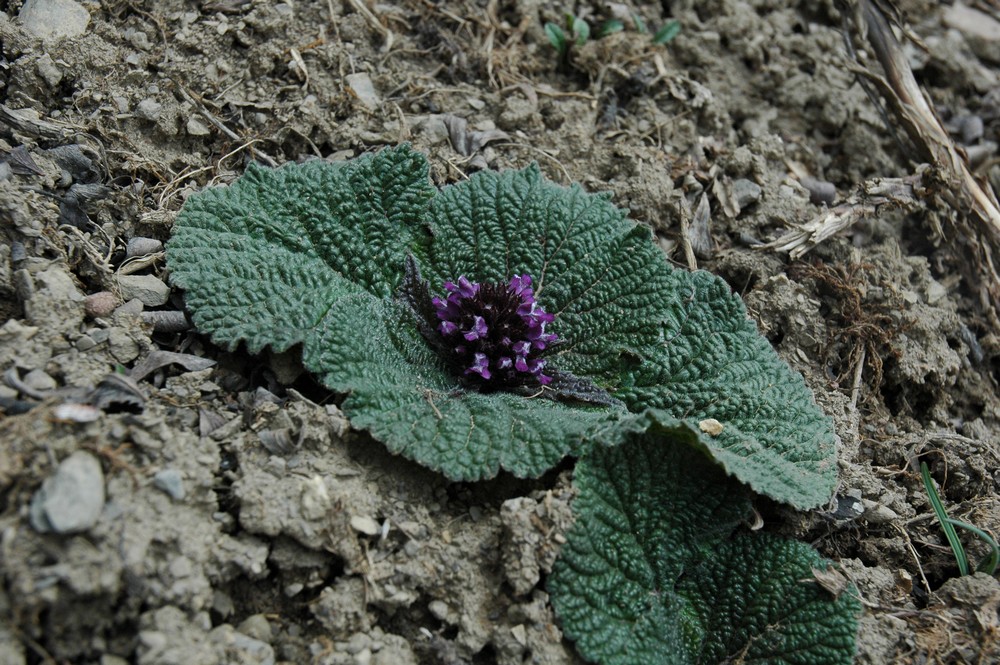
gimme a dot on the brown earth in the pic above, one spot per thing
(216, 542)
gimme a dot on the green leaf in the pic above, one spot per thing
(666, 33)
(556, 36)
(399, 391)
(314, 254)
(656, 338)
(264, 259)
(580, 29)
(712, 363)
(610, 27)
(652, 573)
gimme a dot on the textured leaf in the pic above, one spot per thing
(262, 260)
(653, 337)
(713, 363)
(652, 573)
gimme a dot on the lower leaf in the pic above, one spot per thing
(652, 573)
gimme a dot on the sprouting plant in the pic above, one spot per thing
(505, 322)
(667, 32)
(990, 563)
(576, 32)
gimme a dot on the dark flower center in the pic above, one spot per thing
(494, 333)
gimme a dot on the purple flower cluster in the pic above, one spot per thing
(495, 332)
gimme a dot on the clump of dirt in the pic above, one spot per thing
(163, 500)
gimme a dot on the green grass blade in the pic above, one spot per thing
(946, 522)
(989, 564)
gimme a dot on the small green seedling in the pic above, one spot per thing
(577, 33)
(989, 564)
(666, 34)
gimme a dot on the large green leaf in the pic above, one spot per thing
(654, 337)
(653, 572)
(263, 260)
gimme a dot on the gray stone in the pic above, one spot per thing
(362, 87)
(197, 127)
(48, 70)
(240, 648)
(256, 626)
(139, 246)
(171, 482)
(122, 345)
(52, 299)
(149, 109)
(71, 499)
(38, 380)
(147, 288)
(54, 19)
(745, 192)
(131, 308)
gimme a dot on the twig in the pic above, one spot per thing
(218, 124)
(372, 20)
(872, 197)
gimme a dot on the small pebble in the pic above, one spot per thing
(122, 346)
(48, 70)
(71, 499)
(820, 191)
(139, 246)
(256, 626)
(130, 308)
(197, 127)
(362, 87)
(972, 129)
(745, 192)
(365, 525)
(100, 305)
(149, 109)
(147, 288)
(54, 19)
(171, 482)
(439, 610)
(38, 380)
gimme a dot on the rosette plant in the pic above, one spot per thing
(505, 322)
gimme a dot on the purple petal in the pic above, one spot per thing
(544, 380)
(480, 366)
(504, 362)
(521, 348)
(518, 283)
(478, 330)
(447, 327)
(467, 288)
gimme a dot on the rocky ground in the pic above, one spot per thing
(164, 501)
